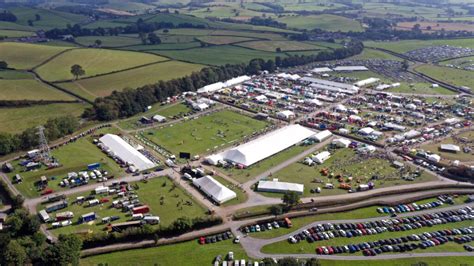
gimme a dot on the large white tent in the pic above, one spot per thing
(126, 152)
(214, 189)
(266, 146)
(279, 187)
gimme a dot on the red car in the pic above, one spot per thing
(330, 250)
(202, 240)
(319, 250)
(46, 191)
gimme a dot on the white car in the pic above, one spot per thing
(237, 239)
(257, 228)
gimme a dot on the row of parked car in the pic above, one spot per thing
(402, 244)
(215, 238)
(402, 208)
(263, 227)
(328, 231)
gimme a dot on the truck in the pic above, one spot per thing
(141, 209)
(91, 216)
(57, 197)
(56, 206)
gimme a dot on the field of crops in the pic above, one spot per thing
(325, 22)
(26, 56)
(104, 85)
(94, 62)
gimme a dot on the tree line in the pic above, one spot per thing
(54, 128)
(7, 16)
(129, 102)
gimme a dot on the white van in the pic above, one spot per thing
(136, 217)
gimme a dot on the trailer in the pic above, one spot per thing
(141, 209)
(87, 217)
(101, 190)
(44, 216)
(56, 206)
(152, 219)
(64, 216)
(57, 197)
(137, 217)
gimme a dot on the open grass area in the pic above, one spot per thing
(206, 133)
(25, 55)
(219, 32)
(48, 18)
(186, 253)
(374, 54)
(452, 76)
(104, 85)
(73, 157)
(6, 25)
(243, 175)
(461, 156)
(220, 40)
(168, 111)
(234, 12)
(94, 62)
(408, 45)
(343, 162)
(166, 200)
(108, 41)
(15, 33)
(271, 46)
(382, 9)
(219, 55)
(29, 89)
(15, 120)
(284, 247)
(325, 22)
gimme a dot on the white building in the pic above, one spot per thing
(285, 114)
(434, 158)
(159, 118)
(341, 143)
(366, 131)
(450, 148)
(366, 82)
(279, 187)
(321, 157)
(318, 70)
(213, 189)
(200, 106)
(350, 68)
(321, 136)
(267, 145)
(116, 146)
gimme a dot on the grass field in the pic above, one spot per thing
(186, 253)
(461, 156)
(243, 175)
(220, 40)
(15, 33)
(6, 25)
(211, 32)
(48, 18)
(340, 163)
(205, 134)
(94, 62)
(284, 247)
(15, 120)
(325, 22)
(26, 56)
(104, 85)
(73, 157)
(226, 12)
(29, 89)
(403, 10)
(108, 41)
(165, 200)
(219, 55)
(374, 54)
(168, 111)
(436, 26)
(452, 76)
(164, 46)
(271, 46)
(408, 45)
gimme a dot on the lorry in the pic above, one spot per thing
(56, 206)
(141, 209)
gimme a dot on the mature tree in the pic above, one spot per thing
(278, 50)
(77, 71)
(405, 65)
(98, 42)
(30, 23)
(37, 17)
(14, 254)
(153, 38)
(288, 261)
(276, 209)
(291, 198)
(313, 262)
(269, 262)
(3, 65)
(66, 251)
(14, 224)
(181, 224)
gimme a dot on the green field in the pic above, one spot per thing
(186, 253)
(164, 46)
(220, 40)
(225, 12)
(104, 85)
(343, 162)
(94, 62)
(403, 10)
(325, 22)
(271, 46)
(236, 33)
(452, 76)
(15, 120)
(108, 41)
(284, 247)
(6, 25)
(374, 54)
(219, 55)
(26, 56)
(205, 134)
(73, 157)
(15, 33)
(408, 45)
(48, 18)
(165, 200)
(29, 89)
(168, 111)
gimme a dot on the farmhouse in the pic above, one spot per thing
(450, 148)
(279, 187)
(215, 190)
(118, 147)
(266, 146)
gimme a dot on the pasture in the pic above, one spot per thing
(205, 134)
(15, 33)
(164, 46)
(428, 26)
(408, 45)
(15, 120)
(27, 56)
(220, 40)
(29, 89)
(219, 55)
(6, 25)
(375, 54)
(165, 199)
(94, 62)
(325, 22)
(48, 18)
(271, 46)
(108, 41)
(91, 88)
(457, 77)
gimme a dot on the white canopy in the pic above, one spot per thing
(126, 152)
(279, 187)
(214, 189)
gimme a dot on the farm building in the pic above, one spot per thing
(341, 143)
(120, 148)
(450, 148)
(366, 82)
(266, 146)
(279, 187)
(321, 136)
(285, 114)
(321, 157)
(215, 190)
(159, 118)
